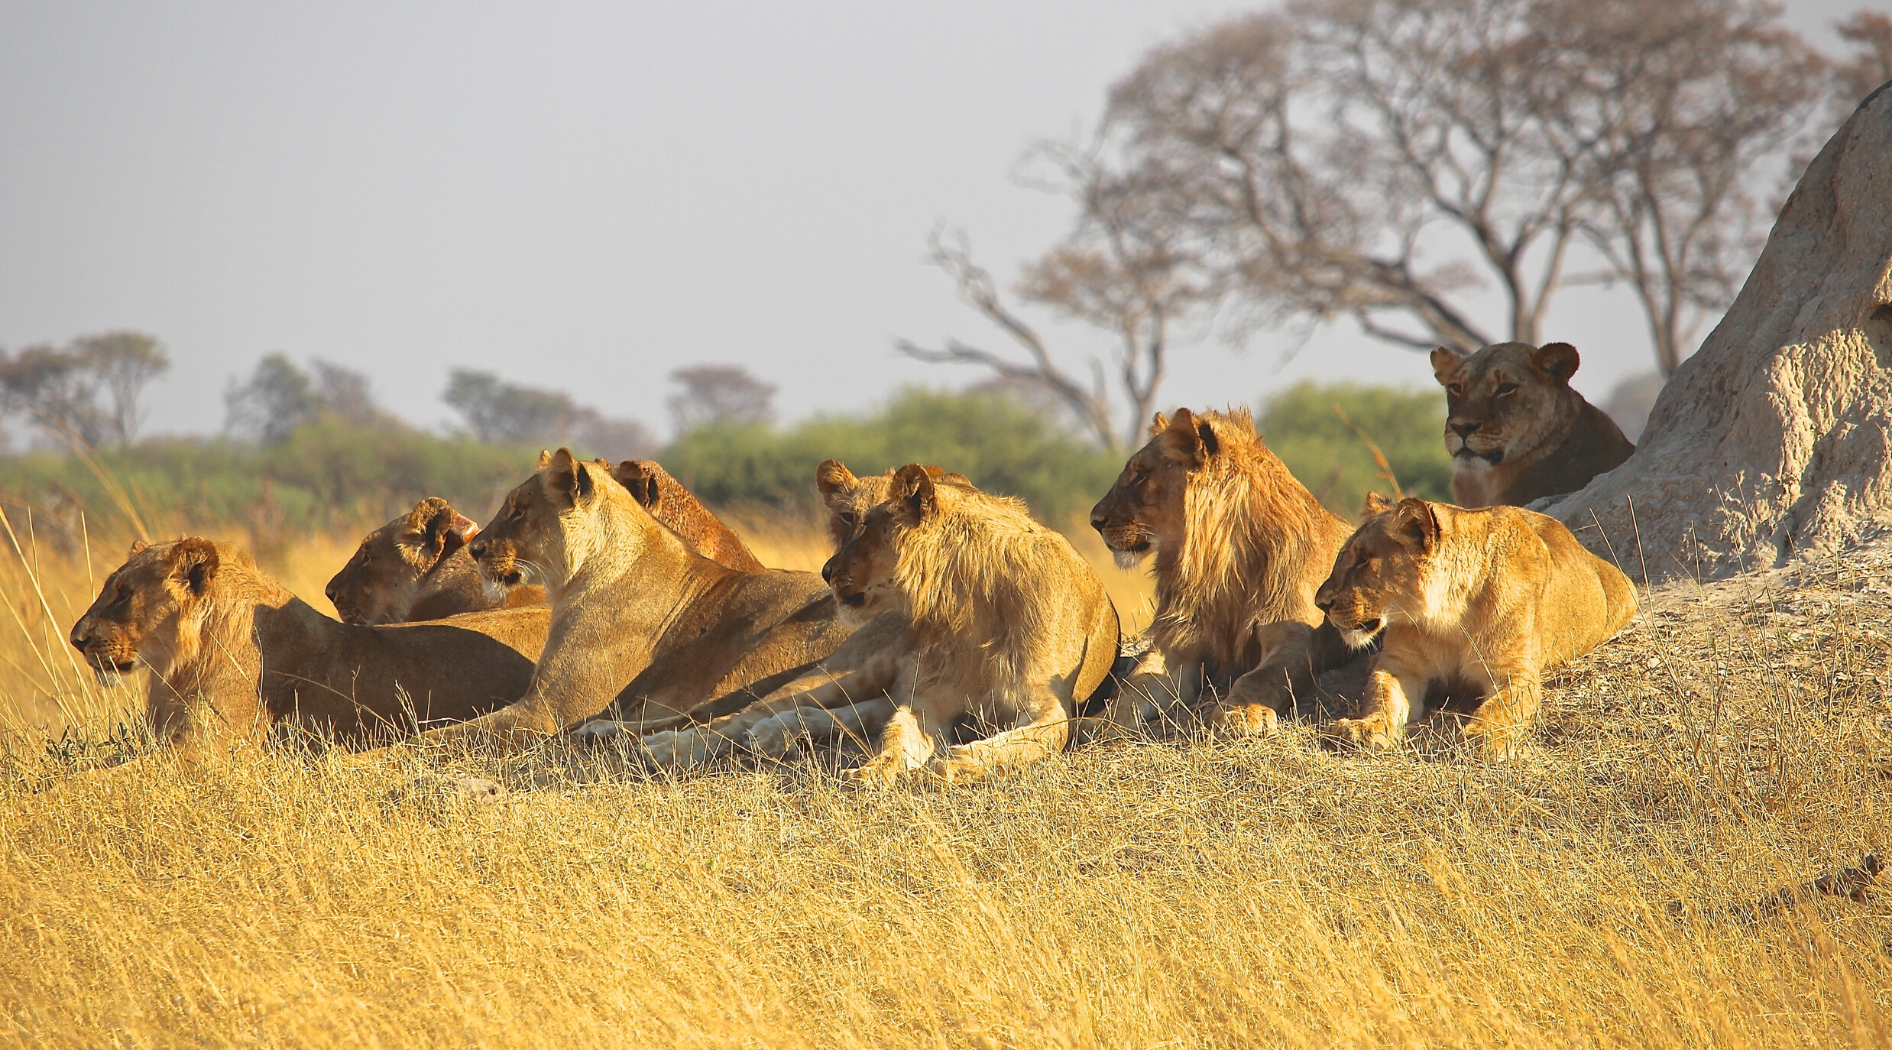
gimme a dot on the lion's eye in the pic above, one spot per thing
(1456, 390)
(848, 520)
(1507, 389)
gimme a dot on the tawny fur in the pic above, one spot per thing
(677, 508)
(1240, 547)
(416, 568)
(232, 653)
(1472, 606)
(1008, 623)
(1516, 430)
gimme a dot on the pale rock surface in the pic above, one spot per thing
(1775, 440)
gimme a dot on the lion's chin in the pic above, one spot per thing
(112, 674)
(497, 588)
(1130, 559)
(1362, 636)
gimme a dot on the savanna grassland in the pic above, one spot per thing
(1616, 886)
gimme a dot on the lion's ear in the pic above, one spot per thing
(1556, 360)
(1445, 362)
(193, 562)
(640, 481)
(442, 529)
(1184, 436)
(1416, 520)
(913, 489)
(138, 545)
(1158, 424)
(545, 460)
(1375, 504)
(568, 477)
(832, 476)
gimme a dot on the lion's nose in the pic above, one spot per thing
(1323, 604)
(477, 548)
(1098, 521)
(1463, 429)
(78, 638)
(330, 591)
(827, 571)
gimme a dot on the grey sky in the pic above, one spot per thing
(583, 196)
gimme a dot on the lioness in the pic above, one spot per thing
(632, 603)
(1240, 548)
(1008, 622)
(233, 653)
(416, 567)
(1473, 605)
(1516, 430)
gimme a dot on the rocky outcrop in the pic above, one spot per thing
(1775, 440)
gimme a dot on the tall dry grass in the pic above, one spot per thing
(1258, 894)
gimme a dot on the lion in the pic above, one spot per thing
(641, 623)
(1472, 605)
(1516, 430)
(1240, 548)
(233, 654)
(1008, 625)
(416, 567)
(845, 695)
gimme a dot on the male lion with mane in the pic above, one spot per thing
(1472, 606)
(233, 653)
(416, 567)
(1516, 430)
(1008, 625)
(1240, 548)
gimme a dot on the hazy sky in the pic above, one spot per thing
(583, 196)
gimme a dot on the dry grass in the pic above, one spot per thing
(1267, 893)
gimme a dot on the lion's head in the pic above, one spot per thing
(862, 569)
(541, 525)
(1146, 509)
(147, 606)
(849, 498)
(1504, 399)
(1378, 573)
(378, 585)
(677, 508)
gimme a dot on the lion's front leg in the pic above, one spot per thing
(1045, 729)
(1258, 700)
(906, 744)
(773, 737)
(1505, 717)
(1385, 712)
(1152, 693)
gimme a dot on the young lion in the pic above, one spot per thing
(1516, 430)
(233, 653)
(632, 603)
(1472, 604)
(1008, 624)
(416, 567)
(1240, 548)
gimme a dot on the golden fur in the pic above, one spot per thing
(640, 621)
(1472, 605)
(1008, 625)
(1516, 430)
(1240, 548)
(416, 567)
(233, 653)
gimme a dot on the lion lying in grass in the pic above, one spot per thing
(1240, 548)
(232, 654)
(416, 567)
(1472, 605)
(640, 622)
(1008, 624)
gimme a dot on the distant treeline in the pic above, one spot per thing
(334, 474)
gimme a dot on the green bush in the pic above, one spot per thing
(1332, 460)
(1003, 446)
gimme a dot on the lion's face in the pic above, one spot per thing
(1145, 509)
(143, 606)
(1502, 399)
(850, 498)
(862, 570)
(525, 541)
(379, 584)
(1378, 573)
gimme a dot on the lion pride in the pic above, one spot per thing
(1008, 623)
(232, 653)
(1516, 430)
(1472, 605)
(1240, 548)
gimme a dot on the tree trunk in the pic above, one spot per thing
(1775, 440)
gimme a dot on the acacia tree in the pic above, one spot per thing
(717, 394)
(88, 390)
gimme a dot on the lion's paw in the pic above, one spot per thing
(1364, 733)
(598, 732)
(874, 773)
(1244, 720)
